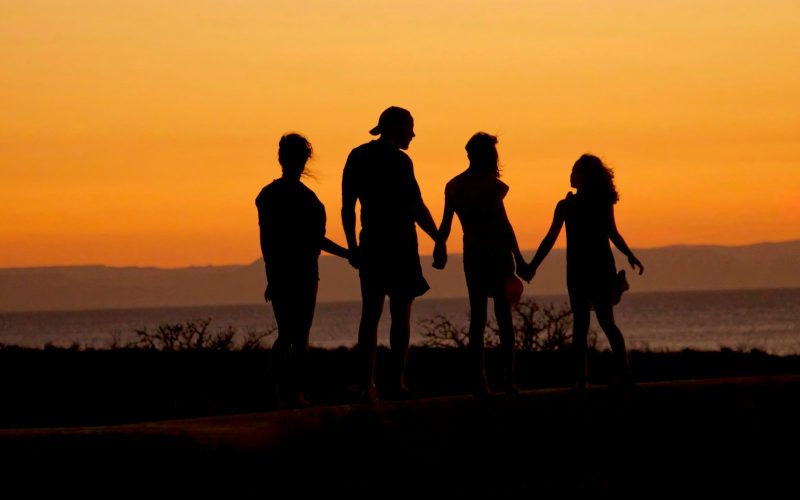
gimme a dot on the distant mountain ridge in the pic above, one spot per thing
(672, 268)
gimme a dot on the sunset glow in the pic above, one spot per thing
(140, 132)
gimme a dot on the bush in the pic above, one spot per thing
(536, 329)
(195, 335)
(439, 331)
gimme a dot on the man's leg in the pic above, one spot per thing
(399, 338)
(371, 309)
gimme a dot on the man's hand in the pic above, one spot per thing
(526, 272)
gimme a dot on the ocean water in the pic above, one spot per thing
(665, 321)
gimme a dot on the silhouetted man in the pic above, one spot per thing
(380, 176)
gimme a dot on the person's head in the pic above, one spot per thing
(294, 150)
(592, 177)
(482, 154)
(396, 126)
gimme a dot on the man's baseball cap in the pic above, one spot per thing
(392, 115)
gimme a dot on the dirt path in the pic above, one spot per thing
(718, 435)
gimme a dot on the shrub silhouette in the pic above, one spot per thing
(196, 335)
(536, 329)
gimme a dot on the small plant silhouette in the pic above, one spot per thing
(196, 335)
(536, 328)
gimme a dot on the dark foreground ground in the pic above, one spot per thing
(713, 434)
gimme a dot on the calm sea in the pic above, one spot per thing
(764, 319)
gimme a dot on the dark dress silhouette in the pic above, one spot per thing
(490, 252)
(380, 176)
(292, 233)
(591, 272)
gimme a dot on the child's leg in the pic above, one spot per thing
(477, 323)
(580, 332)
(605, 316)
(305, 306)
(502, 312)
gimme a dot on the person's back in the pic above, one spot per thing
(588, 228)
(490, 251)
(477, 199)
(592, 281)
(382, 177)
(293, 222)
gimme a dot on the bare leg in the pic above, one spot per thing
(477, 324)
(294, 314)
(281, 352)
(305, 317)
(580, 332)
(605, 316)
(502, 312)
(399, 338)
(371, 310)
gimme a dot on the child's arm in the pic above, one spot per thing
(519, 260)
(619, 242)
(334, 248)
(549, 240)
(440, 249)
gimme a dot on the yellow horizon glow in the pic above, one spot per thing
(140, 132)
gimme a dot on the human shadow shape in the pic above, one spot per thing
(292, 233)
(592, 279)
(491, 254)
(380, 176)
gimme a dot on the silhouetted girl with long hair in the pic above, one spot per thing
(490, 253)
(591, 273)
(292, 232)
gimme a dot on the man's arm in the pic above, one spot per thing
(440, 249)
(425, 220)
(423, 216)
(349, 197)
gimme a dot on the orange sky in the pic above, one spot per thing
(139, 132)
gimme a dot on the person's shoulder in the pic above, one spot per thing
(308, 192)
(502, 187)
(459, 179)
(456, 183)
(399, 156)
(266, 192)
(362, 148)
(360, 155)
(311, 201)
(564, 203)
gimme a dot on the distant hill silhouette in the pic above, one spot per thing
(673, 268)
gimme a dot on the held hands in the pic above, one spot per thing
(439, 255)
(526, 271)
(353, 257)
(634, 262)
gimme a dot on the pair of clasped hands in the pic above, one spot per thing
(524, 270)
